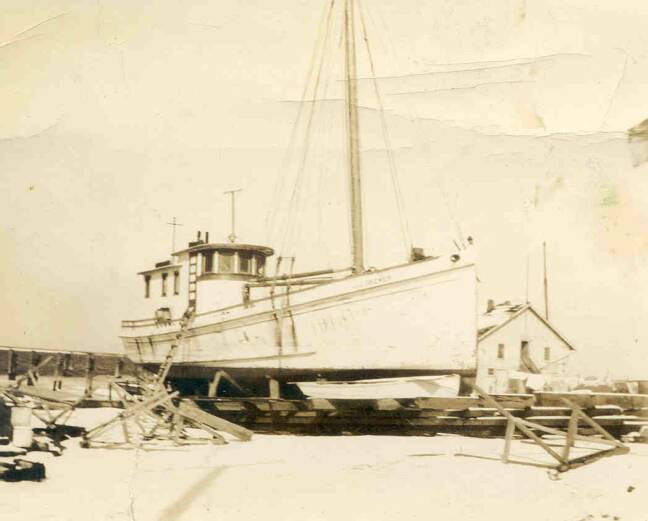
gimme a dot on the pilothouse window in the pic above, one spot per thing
(147, 286)
(225, 262)
(245, 262)
(260, 264)
(164, 284)
(176, 283)
(208, 262)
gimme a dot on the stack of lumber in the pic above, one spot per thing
(617, 413)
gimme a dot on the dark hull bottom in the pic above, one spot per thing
(195, 379)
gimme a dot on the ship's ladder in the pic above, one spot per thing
(193, 277)
(165, 366)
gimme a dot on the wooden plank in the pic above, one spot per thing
(55, 397)
(554, 399)
(547, 411)
(320, 404)
(514, 401)
(591, 422)
(33, 371)
(623, 400)
(446, 403)
(520, 424)
(275, 405)
(590, 458)
(572, 431)
(508, 439)
(587, 400)
(549, 430)
(387, 404)
(132, 410)
(191, 411)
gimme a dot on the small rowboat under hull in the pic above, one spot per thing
(408, 387)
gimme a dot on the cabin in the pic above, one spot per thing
(204, 276)
(518, 350)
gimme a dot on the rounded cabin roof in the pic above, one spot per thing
(233, 247)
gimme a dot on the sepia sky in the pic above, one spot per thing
(507, 121)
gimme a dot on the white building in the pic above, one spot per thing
(519, 350)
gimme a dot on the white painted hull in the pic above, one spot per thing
(446, 386)
(419, 316)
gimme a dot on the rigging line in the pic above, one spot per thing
(274, 210)
(294, 223)
(386, 137)
(309, 123)
(271, 215)
(294, 204)
(313, 186)
(416, 124)
(328, 126)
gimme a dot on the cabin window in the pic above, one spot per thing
(176, 282)
(260, 262)
(500, 350)
(491, 371)
(245, 262)
(165, 276)
(147, 286)
(547, 353)
(208, 262)
(225, 261)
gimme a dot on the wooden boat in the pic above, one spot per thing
(446, 386)
(414, 318)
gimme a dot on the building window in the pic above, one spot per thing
(208, 262)
(147, 286)
(164, 284)
(225, 261)
(547, 353)
(245, 262)
(500, 350)
(176, 283)
(491, 371)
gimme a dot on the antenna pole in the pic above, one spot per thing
(546, 289)
(351, 95)
(232, 193)
(173, 223)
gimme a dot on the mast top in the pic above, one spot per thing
(232, 193)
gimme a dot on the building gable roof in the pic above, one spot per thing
(502, 314)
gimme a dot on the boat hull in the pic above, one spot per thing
(418, 318)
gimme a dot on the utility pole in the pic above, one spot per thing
(546, 289)
(175, 224)
(232, 193)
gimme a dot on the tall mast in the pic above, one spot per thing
(351, 95)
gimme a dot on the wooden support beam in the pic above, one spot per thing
(89, 374)
(572, 431)
(191, 411)
(132, 410)
(591, 422)
(32, 371)
(510, 431)
(119, 367)
(11, 365)
(273, 389)
(520, 424)
(213, 385)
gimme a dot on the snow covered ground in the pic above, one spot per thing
(322, 478)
